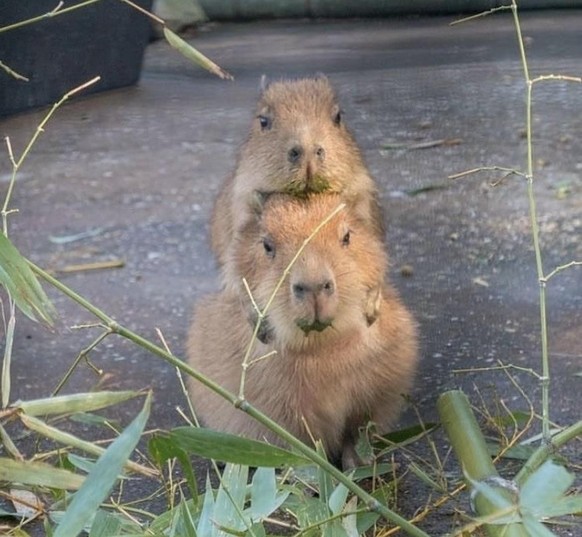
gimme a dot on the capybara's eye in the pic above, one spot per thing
(269, 248)
(346, 239)
(265, 122)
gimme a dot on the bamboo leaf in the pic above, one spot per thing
(234, 449)
(21, 283)
(189, 52)
(535, 528)
(68, 439)
(38, 473)
(545, 486)
(101, 480)
(69, 404)
(264, 497)
(6, 363)
(337, 499)
(205, 525)
(162, 448)
(230, 498)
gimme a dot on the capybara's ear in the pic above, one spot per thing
(264, 83)
(321, 76)
(257, 203)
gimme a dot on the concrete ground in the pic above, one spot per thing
(137, 171)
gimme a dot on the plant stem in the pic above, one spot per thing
(55, 12)
(370, 502)
(545, 450)
(545, 377)
(463, 431)
(40, 129)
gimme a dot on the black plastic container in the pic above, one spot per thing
(58, 53)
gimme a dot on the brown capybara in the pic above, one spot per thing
(298, 144)
(332, 371)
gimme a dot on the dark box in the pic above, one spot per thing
(61, 52)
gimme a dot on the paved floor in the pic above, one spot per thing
(138, 170)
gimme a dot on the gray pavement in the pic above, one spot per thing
(140, 168)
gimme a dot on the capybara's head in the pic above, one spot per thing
(326, 279)
(298, 139)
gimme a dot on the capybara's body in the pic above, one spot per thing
(332, 371)
(299, 145)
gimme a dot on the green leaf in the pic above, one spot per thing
(337, 499)
(264, 497)
(205, 525)
(81, 463)
(100, 481)
(230, 448)
(230, 499)
(21, 283)
(162, 448)
(70, 404)
(109, 524)
(189, 52)
(520, 452)
(349, 522)
(38, 473)
(426, 479)
(168, 521)
(187, 526)
(402, 438)
(372, 470)
(567, 505)
(7, 362)
(535, 528)
(546, 485)
(324, 479)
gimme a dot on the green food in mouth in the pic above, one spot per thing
(302, 189)
(307, 326)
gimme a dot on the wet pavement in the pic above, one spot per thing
(137, 170)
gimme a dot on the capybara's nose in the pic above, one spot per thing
(295, 154)
(303, 290)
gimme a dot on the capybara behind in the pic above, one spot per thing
(298, 144)
(332, 371)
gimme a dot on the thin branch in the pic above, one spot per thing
(53, 13)
(559, 269)
(565, 78)
(508, 171)
(13, 73)
(479, 15)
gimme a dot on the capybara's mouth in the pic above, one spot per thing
(309, 326)
(302, 188)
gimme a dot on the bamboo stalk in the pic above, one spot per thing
(468, 443)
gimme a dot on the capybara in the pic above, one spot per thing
(332, 371)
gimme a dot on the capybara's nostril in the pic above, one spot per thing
(320, 153)
(294, 154)
(300, 290)
(328, 287)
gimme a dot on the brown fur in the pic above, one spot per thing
(322, 384)
(301, 114)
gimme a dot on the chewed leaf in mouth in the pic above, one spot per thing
(317, 326)
(302, 189)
